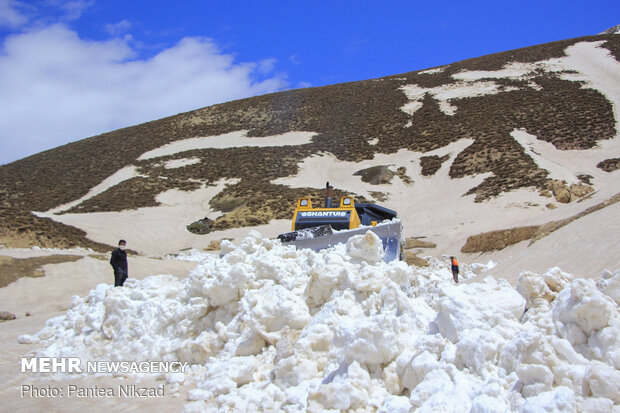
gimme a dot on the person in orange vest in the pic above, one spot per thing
(455, 269)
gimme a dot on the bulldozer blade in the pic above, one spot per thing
(306, 233)
(320, 238)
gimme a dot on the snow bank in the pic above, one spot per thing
(270, 328)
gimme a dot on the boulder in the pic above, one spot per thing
(5, 316)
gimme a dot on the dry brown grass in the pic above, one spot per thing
(22, 229)
(609, 165)
(379, 196)
(498, 240)
(417, 243)
(412, 259)
(401, 171)
(431, 164)
(215, 244)
(11, 269)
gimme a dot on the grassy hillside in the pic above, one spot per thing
(344, 116)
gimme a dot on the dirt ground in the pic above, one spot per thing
(49, 295)
(12, 269)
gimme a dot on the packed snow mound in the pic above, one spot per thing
(267, 327)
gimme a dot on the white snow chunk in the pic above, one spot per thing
(560, 399)
(482, 305)
(367, 248)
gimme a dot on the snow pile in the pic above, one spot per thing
(191, 255)
(271, 328)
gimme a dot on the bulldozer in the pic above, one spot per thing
(321, 228)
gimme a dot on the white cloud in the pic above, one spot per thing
(73, 9)
(294, 59)
(10, 15)
(119, 28)
(57, 87)
(16, 14)
(266, 66)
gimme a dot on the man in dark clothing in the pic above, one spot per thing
(119, 263)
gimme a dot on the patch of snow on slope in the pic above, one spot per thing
(612, 30)
(593, 63)
(596, 67)
(158, 230)
(533, 148)
(235, 139)
(568, 164)
(513, 70)
(432, 71)
(116, 178)
(417, 200)
(444, 93)
(179, 163)
(271, 328)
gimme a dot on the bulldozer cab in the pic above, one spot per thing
(342, 217)
(321, 228)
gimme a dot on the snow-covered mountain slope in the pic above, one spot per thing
(515, 139)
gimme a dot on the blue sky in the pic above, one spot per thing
(70, 69)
